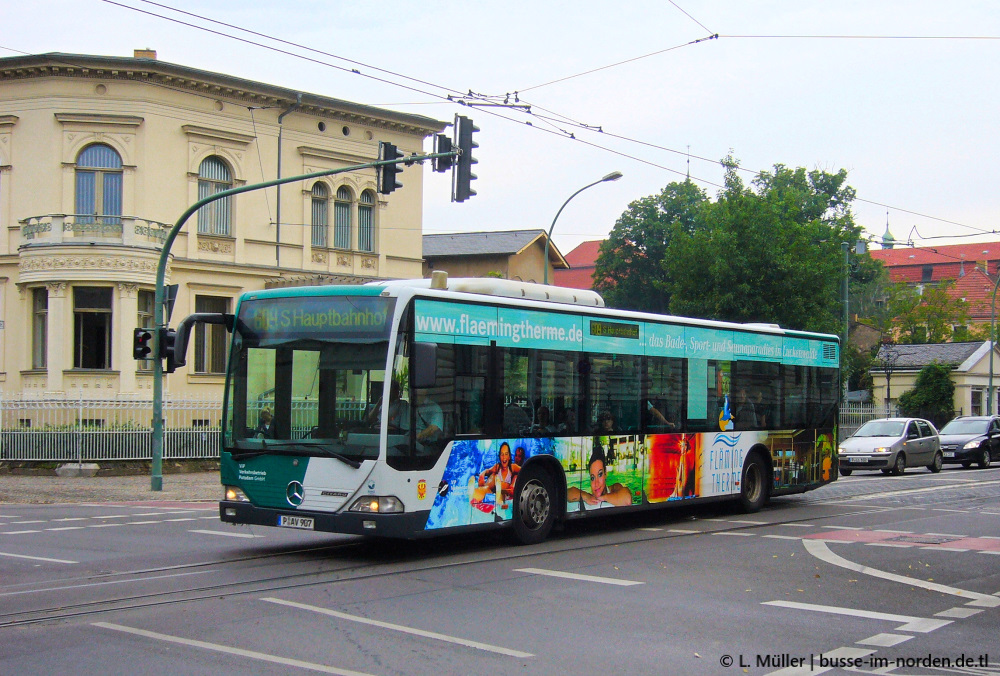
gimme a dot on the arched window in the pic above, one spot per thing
(342, 218)
(320, 214)
(366, 221)
(99, 185)
(213, 177)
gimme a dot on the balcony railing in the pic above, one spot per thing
(85, 228)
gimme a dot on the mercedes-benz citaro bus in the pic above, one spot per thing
(409, 408)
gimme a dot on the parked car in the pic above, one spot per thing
(971, 439)
(892, 445)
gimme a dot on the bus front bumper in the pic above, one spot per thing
(352, 523)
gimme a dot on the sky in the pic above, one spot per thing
(902, 94)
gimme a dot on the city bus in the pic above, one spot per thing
(404, 409)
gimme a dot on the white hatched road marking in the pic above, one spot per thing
(36, 558)
(398, 627)
(239, 652)
(577, 576)
(822, 552)
(910, 623)
(884, 640)
(225, 534)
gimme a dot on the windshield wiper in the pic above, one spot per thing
(328, 451)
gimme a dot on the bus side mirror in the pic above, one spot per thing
(175, 351)
(423, 365)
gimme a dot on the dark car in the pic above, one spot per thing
(971, 439)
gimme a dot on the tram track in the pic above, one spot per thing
(414, 563)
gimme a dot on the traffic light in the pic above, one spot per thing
(442, 144)
(168, 338)
(464, 129)
(386, 173)
(142, 343)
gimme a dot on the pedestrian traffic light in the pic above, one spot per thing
(442, 144)
(386, 173)
(142, 343)
(168, 338)
(464, 129)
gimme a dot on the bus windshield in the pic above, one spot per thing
(303, 375)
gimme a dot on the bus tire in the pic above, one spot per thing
(753, 486)
(534, 505)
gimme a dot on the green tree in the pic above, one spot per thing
(770, 252)
(629, 270)
(932, 397)
(924, 316)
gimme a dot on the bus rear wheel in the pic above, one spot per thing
(534, 504)
(753, 487)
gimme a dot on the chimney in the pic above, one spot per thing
(145, 53)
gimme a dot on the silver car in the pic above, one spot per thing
(892, 445)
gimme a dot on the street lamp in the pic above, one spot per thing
(888, 355)
(613, 176)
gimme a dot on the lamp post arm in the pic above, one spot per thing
(545, 262)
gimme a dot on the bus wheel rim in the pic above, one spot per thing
(534, 505)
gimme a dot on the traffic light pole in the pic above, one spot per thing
(156, 469)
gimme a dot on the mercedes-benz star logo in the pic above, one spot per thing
(295, 493)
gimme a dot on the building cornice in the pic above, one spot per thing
(206, 83)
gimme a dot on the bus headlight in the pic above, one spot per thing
(233, 494)
(377, 504)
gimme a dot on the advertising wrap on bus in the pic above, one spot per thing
(617, 471)
(515, 327)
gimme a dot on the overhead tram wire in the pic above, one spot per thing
(297, 45)
(571, 136)
(352, 71)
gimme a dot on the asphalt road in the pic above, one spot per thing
(873, 574)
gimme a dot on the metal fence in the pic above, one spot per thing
(92, 430)
(854, 415)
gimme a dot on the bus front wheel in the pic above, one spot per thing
(753, 487)
(535, 507)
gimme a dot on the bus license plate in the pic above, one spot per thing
(303, 522)
(858, 459)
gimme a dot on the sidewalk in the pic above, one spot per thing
(183, 487)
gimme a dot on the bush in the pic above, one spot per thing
(933, 396)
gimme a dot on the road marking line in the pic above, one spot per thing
(901, 532)
(398, 627)
(990, 537)
(577, 576)
(823, 553)
(19, 532)
(21, 523)
(252, 654)
(651, 530)
(67, 528)
(911, 491)
(845, 527)
(782, 537)
(142, 523)
(36, 558)
(884, 640)
(993, 553)
(101, 584)
(956, 511)
(185, 518)
(683, 530)
(224, 534)
(947, 535)
(71, 518)
(741, 535)
(104, 525)
(796, 525)
(959, 613)
(942, 548)
(752, 523)
(910, 623)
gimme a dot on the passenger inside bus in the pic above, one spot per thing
(265, 430)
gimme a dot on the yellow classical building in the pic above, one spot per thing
(99, 156)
